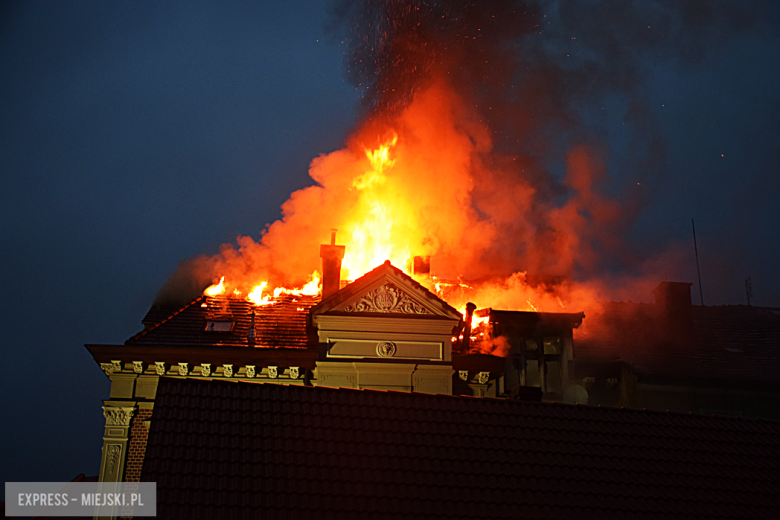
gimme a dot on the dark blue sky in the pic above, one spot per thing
(139, 134)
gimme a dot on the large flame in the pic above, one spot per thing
(424, 189)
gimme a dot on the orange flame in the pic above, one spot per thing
(215, 289)
(438, 188)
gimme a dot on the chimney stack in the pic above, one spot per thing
(421, 265)
(331, 255)
(674, 300)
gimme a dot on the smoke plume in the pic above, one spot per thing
(498, 167)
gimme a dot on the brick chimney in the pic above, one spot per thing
(673, 300)
(331, 255)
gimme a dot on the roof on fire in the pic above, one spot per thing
(278, 325)
(730, 344)
(243, 450)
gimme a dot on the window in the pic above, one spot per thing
(219, 326)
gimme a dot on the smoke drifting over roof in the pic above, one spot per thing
(496, 105)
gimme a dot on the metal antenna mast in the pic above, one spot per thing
(698, 272)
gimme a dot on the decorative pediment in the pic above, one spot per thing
(387, 298)
(386, 291)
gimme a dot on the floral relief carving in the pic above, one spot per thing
(387, 298)
(113, 457)
(138, 367)
(118, 416)
(205, 369)
(184, 369)
(159, 366)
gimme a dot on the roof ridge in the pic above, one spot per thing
(145, 331)
(516, 402)
(427, 293)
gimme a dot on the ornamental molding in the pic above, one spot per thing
(159, 367)
(463, 375)
(138, 367)
(295, 372)
(205, 369)
(118, 416)
(113, 457)
(114, 366)
(385, 349)
(273, 372)
(227, 370)
(483, 377)
(184, 369)
(385, 299)
(250, 371)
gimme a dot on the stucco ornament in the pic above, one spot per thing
(159, 367)
(483, 377)
(138, 367)
(273, 372)
(250, 371)
(113, 456)
(184, 369)
(463, 375)
(118, 416)
(387, 298)
(205, 369)
(110, 368)
(295, 373)
(385, 349)
(227, 370)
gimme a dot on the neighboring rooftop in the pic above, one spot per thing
(243, 450)
(731, 345)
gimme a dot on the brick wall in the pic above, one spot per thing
(137, 446)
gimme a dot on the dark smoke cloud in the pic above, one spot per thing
(534, 73)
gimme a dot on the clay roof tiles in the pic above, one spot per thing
(278, 325)
(291, 452)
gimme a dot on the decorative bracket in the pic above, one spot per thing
(205, 369)
(295, 372)
(110, 368)
(227, 370)
(273, 372)
(250, 371)
(483, 377)
(159, 366)
(138, 367)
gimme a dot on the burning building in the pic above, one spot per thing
(462, 267)
(368, 372)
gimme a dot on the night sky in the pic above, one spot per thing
(136, 135)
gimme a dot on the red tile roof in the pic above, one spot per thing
(279, 325)
(732, 345)
(242, 450)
